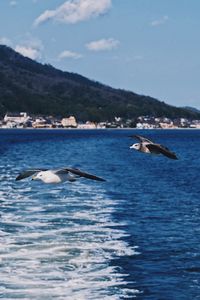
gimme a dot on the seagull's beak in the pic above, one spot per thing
(131, 147)
(33, 178)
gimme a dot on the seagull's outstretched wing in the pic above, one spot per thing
(141, 139)
(162, 149)
(79, 173)
(28, 173)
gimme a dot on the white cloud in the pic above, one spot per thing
(69, 54)
(74, 11)
(28, 52)
(47, 15)
(31, 48)
(159, 22)
(13, 3)
(103, 44)
(5, 41)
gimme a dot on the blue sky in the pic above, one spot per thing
(150, 47)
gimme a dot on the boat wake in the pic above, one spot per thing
(60, 243)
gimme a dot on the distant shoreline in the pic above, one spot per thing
(97, 129)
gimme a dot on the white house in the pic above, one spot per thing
(87, 125)
(69, 122)
(17, 118)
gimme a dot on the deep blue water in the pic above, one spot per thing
(135, 236)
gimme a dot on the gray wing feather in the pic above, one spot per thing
(141, 138)
(79, 173)
(28, 173)
(162, 149)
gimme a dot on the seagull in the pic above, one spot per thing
(56, 175)
(147, 146)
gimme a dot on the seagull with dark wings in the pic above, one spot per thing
(56, 175)
(147, 146)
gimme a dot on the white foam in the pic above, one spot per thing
(62, 247)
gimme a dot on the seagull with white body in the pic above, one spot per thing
(147, 146)
(56, 175)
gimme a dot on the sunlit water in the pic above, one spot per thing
(135, 236)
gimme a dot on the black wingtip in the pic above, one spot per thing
(101, 179)
(173, 156)
(19, 177)
(97, 178)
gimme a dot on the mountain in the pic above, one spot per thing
(193, 109)
(26, 85)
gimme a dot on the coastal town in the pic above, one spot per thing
(24, 120)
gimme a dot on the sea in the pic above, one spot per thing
(135, 236)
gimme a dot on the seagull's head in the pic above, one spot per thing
(135, 146)
(38, 176)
